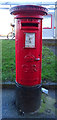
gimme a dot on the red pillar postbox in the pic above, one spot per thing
(28, 45)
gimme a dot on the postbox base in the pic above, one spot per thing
(28, 99)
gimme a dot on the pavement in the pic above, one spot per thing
(4, 38)
(47, 110)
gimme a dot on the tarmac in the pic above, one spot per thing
(47, 110)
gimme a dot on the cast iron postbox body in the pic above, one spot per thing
(28, 51)
(28, 43)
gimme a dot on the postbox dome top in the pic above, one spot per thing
(28, 11)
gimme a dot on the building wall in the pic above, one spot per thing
(56, 21)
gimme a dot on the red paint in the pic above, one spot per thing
(28, 60)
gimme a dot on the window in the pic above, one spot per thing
(47, 22)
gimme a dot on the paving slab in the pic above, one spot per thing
(48, 108)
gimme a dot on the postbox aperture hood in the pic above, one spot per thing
(28, 11)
